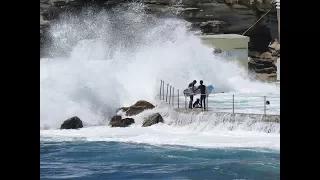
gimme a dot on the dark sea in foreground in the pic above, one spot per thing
(116, 160)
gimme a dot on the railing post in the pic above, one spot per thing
(185, 101)
(178, 98)
(204, 106)
(233, 104)
(160, 88)
(170, 94)
(163, 90)
(167, 93)
(207, 102)
(265, 109)
(173, 96)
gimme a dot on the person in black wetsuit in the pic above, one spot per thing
(196, 103)
(203, 94)
(191, 96)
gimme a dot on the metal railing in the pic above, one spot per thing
(171, 94)
(221, 102)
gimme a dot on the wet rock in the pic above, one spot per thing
(266, 70)
(261, 63)
(153, 119)
(127, 121)
(217, 51)
(215, 26)
(137, 108)
(265, 63)
(72, 123)
(253, 65)
(117, 121)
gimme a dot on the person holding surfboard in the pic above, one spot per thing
(203, 94)
(191, 88)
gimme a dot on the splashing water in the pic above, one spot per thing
(118, 57)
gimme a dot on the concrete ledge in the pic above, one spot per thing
(231, 116)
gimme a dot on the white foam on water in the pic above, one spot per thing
(162, 134)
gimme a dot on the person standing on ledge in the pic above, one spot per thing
(191, 92)
(203, 94)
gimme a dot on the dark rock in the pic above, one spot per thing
(260, 63)
(59, 3)
(217, 51)
(134, 110)
(254, 54)
(116, 121)
(127, 121)
(145, 104)
(137, 108)
(45, 38)
(161, 2)
(153, 119)
(253, 65)
(190, 2)
(72, 123)
(216, 27)
(266, 70)
(260, 37)
(265, 63)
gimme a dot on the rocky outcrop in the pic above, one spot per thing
(264, 64)
(153, 119)
(127, 121)
(211, 27)
(260, 38)
(117, 121)
(72, 123)
(137, 108)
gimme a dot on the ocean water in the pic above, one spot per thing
(117, 160)
(105, 60)
(161, 151)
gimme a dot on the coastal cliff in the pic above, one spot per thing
(205, 16)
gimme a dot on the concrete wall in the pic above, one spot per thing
(234, 44)
(225, 116)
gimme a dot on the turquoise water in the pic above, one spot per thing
(116, 160)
